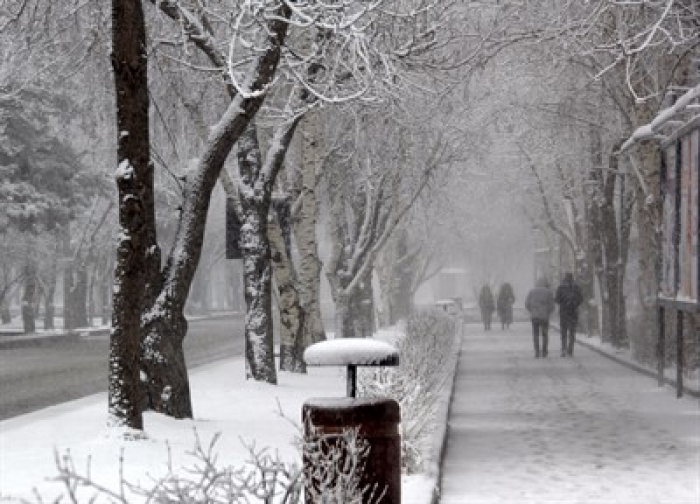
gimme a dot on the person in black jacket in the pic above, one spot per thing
(569, 298)
(486, 305)
(504, 305)
(540, 304)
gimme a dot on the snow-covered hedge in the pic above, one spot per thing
(424, 352)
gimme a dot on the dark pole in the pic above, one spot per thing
(352, 380)
(661, 345)
(679, 353)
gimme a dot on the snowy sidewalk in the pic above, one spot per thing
(555, 430)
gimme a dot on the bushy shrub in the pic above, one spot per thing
(337, 470)
(337, 462)
(424, 352)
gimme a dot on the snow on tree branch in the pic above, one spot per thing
(653, 129)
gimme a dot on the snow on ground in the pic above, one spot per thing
(558, 430)
(582, 430)
(224, 402)
(691, 382)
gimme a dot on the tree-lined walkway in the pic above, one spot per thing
(559, 430)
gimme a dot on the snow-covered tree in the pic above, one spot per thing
(134, 177)
(370, 192)
(340, 63)
(642, 56)
(45, 185)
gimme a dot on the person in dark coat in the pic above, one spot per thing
(504, 305)
(486, 305)
(540, 304)
(569, 298)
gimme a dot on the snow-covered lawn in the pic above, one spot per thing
(243, 412)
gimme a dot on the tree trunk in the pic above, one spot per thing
(67, 280)
(176, 278)
(135, 185)
(626, 207)
(386, 273)
(164, 371)
(594, 242)
(401, 292)
(611, 248)
(648, 217)
(604, 303)
(92, 300)
(589, 278)
(49, 308)
(5, 313)
(366, 325)
(356, 317)
(105, 286)
(50, 291)
(305, 233)
(291, 313)
(80, 297)
(342, 317)
(28, 297)
(350, 318)
(257, 266)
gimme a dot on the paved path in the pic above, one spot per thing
(557, 430)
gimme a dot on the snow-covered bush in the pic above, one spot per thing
(263, 478)
(424, 352)
(337, 464)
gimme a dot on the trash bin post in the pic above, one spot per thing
(352, 380)
(376, 419)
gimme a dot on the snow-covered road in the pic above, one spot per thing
(564, 430)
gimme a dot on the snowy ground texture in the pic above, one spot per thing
(558, 430)
(582, 430)
(224, 402)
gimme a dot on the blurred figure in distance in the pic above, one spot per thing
(486, 305)
(569, 298)
(504, 305)
(540, 304)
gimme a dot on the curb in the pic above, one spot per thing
(637, 367)
(19, 340)
(444, 415)
(632, 365)
(26, 340)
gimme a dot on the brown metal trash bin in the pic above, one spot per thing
(378, 422)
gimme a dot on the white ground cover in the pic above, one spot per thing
(582, 430)
(224, 402)
(691, 381)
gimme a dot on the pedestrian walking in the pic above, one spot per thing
(569, 298)
(504, 305)
(487, 306)
(540, 304)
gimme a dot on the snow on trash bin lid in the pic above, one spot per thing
(352, 351)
